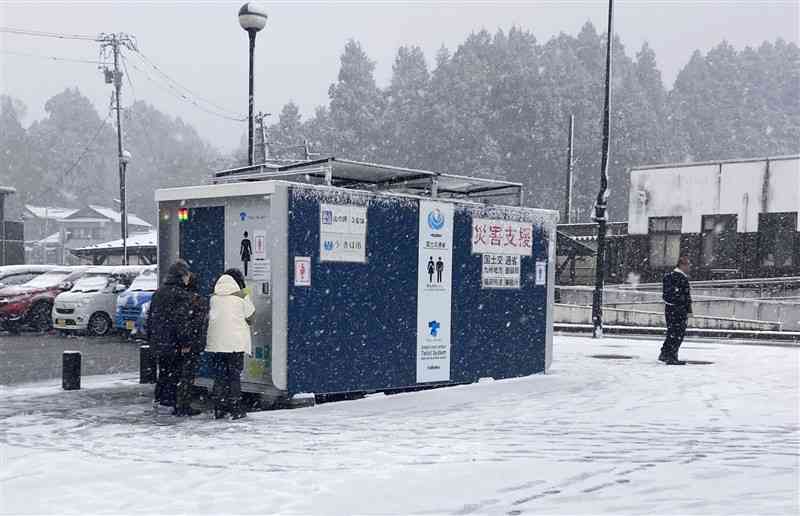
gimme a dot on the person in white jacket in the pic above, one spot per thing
(230, 315)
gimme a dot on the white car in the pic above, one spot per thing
(90, 305)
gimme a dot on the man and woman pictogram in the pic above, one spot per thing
(435, 267)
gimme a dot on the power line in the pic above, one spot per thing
(45, 34)
(51, 58)
(82, 155)
(87, 148)
(184, 96)
(186, 91)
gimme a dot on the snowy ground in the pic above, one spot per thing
(595, 436)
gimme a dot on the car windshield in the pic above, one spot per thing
(145, 282)
(91, 283)
(47, 280)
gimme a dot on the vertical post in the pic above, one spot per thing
(71, 370)
(250, 151)
(568, 191)
(123, 220)
(147, 365)
(602, 195)
(262, 120)
(3, 228)
(306, 150)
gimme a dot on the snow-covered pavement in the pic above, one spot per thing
(594, 436)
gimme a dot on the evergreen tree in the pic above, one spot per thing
(356, 106)
(14, 151)
(73, 153)
(286, 136)
(404, 139)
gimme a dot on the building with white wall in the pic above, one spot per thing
(732, 218)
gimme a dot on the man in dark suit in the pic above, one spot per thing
(678, 305)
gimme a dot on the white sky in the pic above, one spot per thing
(201, 45)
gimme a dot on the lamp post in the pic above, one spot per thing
(252, 18)
(124, 159)
(602, 196)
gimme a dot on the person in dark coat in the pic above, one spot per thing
(678, 305)
(169, 330)
(191, 343)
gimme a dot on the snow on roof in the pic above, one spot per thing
(49, 212)
(146, 239)
(55, 238)
(111, 213)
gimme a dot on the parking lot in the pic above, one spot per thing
(31, 357)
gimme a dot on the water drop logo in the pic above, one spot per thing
(435, 219)
(243, 216)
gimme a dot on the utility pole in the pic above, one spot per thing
(113, 42)
(568, 193)
(602, 196)
(262, 125)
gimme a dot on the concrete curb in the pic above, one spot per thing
(792, 338)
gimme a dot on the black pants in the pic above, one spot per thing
(676, 328)
(228, 384)
(168, 375)
(187, 365)
(176, 373)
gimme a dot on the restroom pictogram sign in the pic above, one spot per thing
(302, 271)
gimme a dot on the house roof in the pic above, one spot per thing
(112, 214)
(55, 238)
(140, 241)
(49, 212)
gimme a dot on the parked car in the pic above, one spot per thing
(130, 302)
(11, 275)
(141, 322)
(90, 305)
(29, 305)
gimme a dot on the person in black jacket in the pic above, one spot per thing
(171, 327)
(677, 307)
(191, 343)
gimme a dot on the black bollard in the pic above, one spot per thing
(147, 365)
(71, 370)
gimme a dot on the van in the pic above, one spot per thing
(91, 304)
(130, 302)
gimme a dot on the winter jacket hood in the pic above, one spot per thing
(226, 286)
(228, 330)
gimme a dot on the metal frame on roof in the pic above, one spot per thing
(345, 173)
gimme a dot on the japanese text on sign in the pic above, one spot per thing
(501, 271)
(502, 237)
(343, 233)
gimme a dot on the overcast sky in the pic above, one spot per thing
(201, 45)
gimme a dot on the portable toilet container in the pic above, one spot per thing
(402, 282)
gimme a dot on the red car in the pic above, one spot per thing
(30, 304)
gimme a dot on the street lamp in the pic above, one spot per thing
(252, 18)
(601, 203)
(124, 159)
